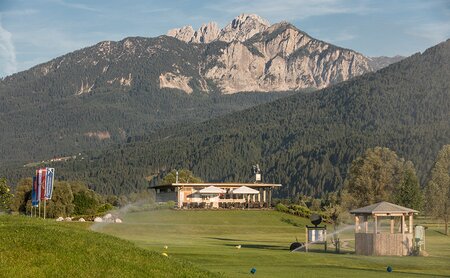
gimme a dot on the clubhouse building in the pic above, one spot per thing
(217, 195)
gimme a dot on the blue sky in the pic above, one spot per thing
(35, 31)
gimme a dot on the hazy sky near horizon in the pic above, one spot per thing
(35, 31)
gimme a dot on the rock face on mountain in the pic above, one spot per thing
(249, 54)
(243, 27)
(205, 34)
(185, 33)
(282, 58)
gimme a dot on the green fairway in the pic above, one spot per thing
(32, 247)
(209, 240)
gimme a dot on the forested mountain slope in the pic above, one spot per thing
(102, 95)
(106, 93)
(306, 141)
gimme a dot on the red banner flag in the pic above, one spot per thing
(42, 180)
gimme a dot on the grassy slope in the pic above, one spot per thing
(39, 248)
(208, 239)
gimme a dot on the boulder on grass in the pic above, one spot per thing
(59, 219)
(68, 219)
(118, 220)
(81, 220)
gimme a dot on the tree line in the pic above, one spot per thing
(70, 198)
(378, 175)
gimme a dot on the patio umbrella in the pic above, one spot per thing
(211, 190)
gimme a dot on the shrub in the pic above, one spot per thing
(281, 207)
(104, 208)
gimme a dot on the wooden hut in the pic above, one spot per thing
(213, 195)
(393, 239)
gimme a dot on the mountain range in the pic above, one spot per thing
(253, 55)
(161, 103)
(106, 93)
(305, 141)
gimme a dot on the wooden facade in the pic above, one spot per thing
(382, 244)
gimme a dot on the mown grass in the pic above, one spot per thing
(209, 240)
(32, 247)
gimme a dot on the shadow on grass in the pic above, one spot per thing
(329, 251)
(253, 246)
(442, 233)
(381, 270)
(260, 246)
(232, 239)
(314, 249)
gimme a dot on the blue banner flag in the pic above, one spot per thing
(34, 193)
(39, 183)
(50, 179)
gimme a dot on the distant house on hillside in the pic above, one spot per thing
(217, 195)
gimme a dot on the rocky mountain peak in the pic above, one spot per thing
(240, 28)
(185, 33)
(244, 19)
(258, 56)
(243, 27)
(206, 33)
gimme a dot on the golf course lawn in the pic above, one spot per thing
(31, 247)
(209, 239)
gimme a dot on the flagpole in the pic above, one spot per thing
(45, 205)
(39, 206)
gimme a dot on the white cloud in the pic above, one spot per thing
(8, 62)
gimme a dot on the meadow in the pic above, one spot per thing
(209, 239)
(31, 247)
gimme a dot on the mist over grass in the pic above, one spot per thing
(210, 240)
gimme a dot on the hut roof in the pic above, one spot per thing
(219, 184)
(382, 207)
(211, 190)
(245, 190)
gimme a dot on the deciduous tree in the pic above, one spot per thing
(5, 194)
(61, 202)
(21, 196)
(375, 177)
(438, 187)
(184, 176)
